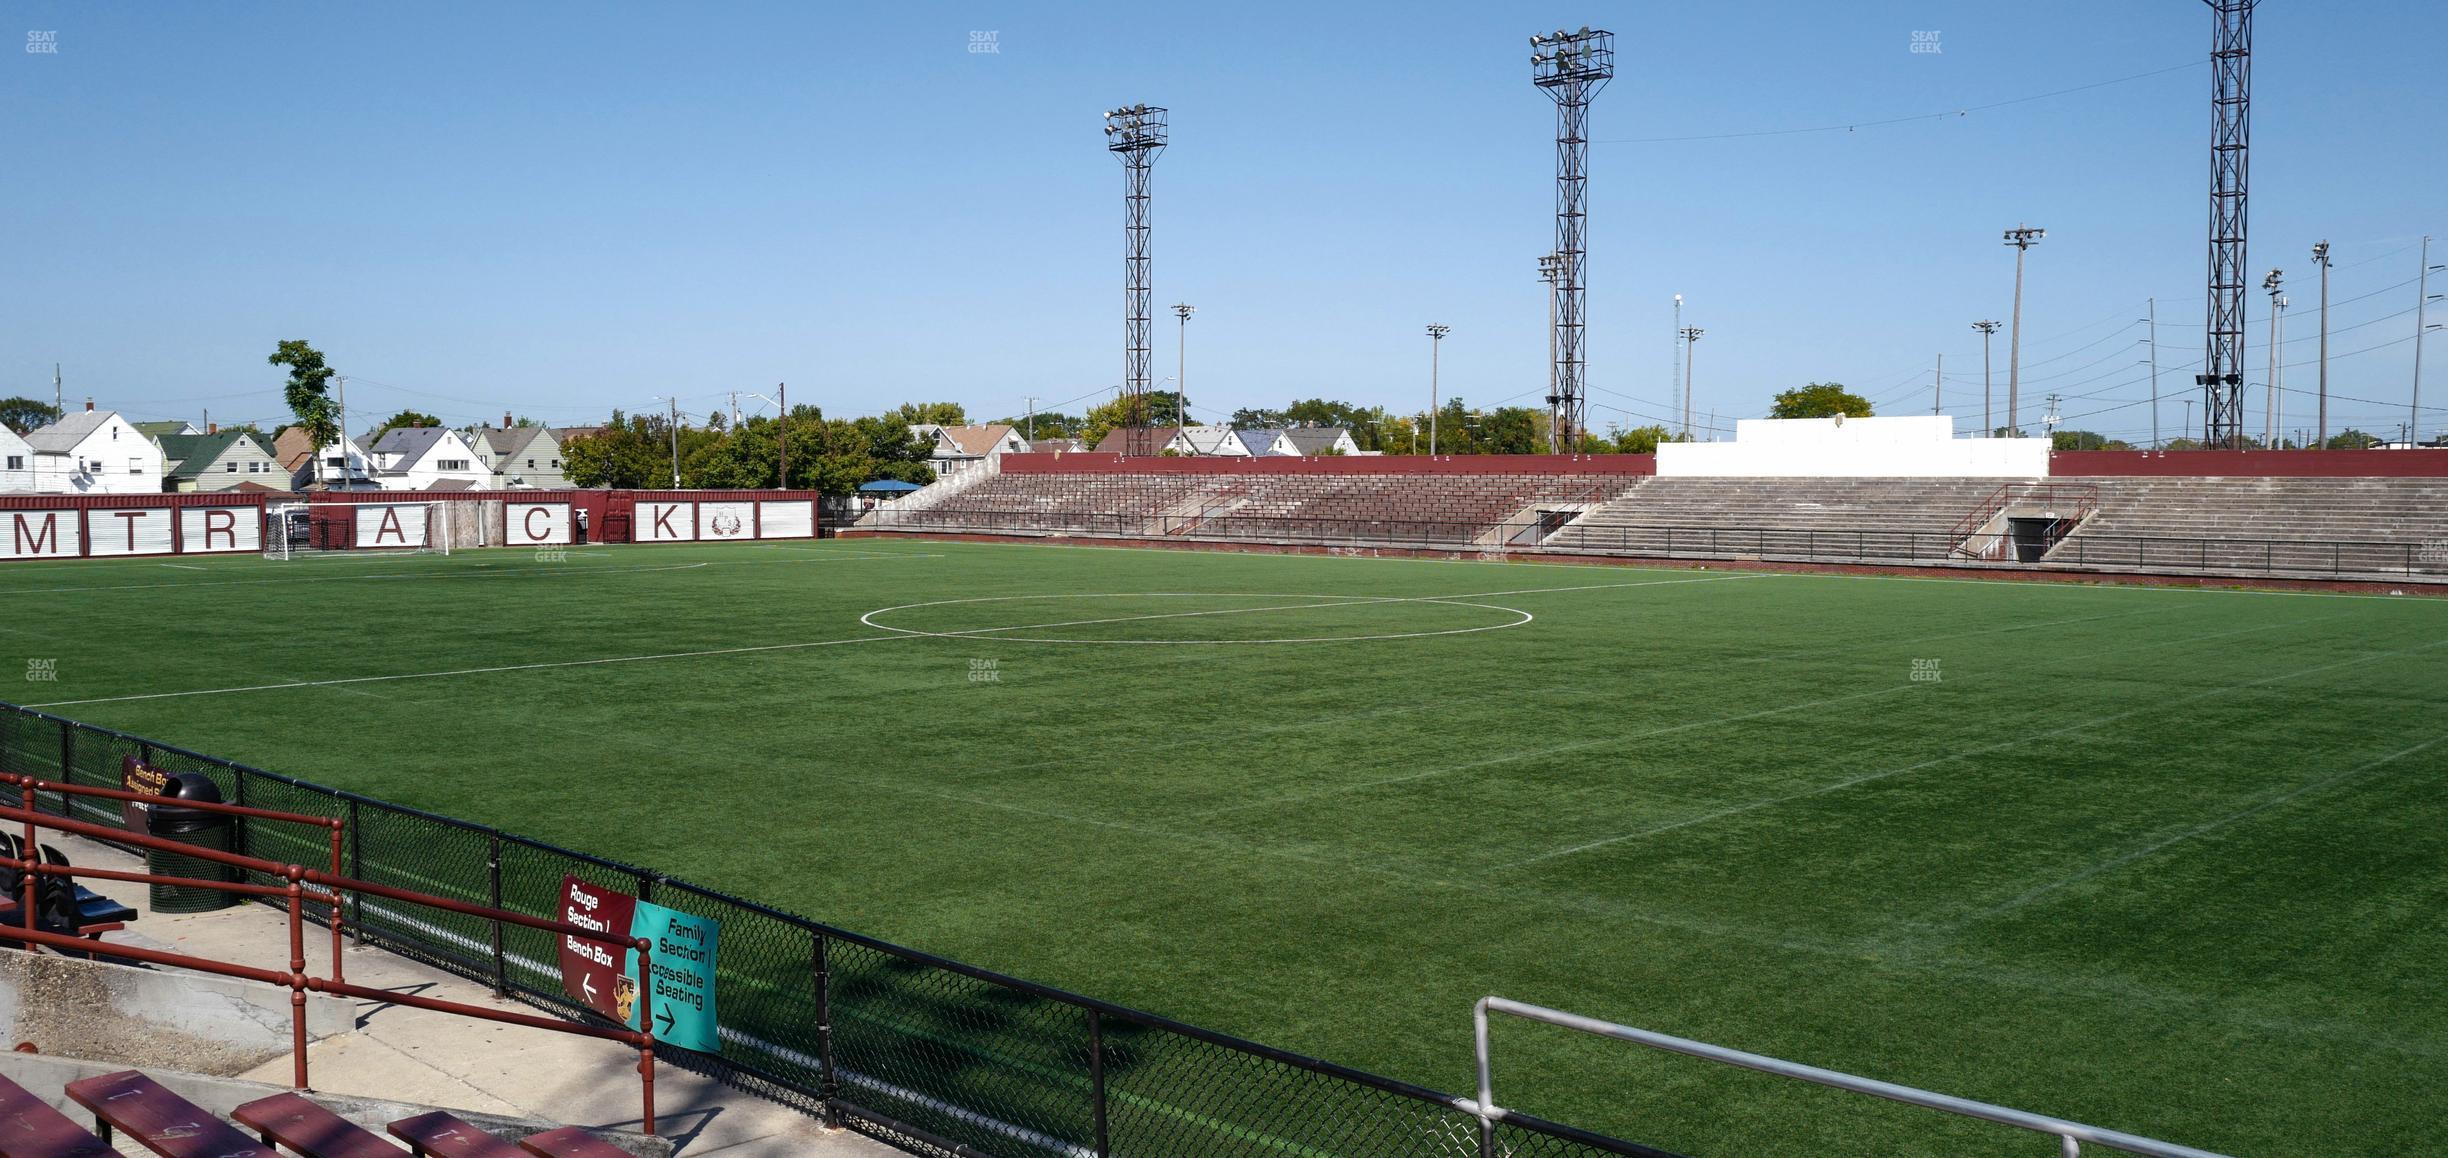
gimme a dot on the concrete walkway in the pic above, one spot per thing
(414, 1055)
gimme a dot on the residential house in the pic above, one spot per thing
(1055, 446)
(1209, 442)
(521, 457)
(964, 448)
(345, 465)
(218, 461)
(16, 462)
(1266, 443)
(94, 452)
(1137, 439)
(157, 429)
(1316, 440)
(416, 458)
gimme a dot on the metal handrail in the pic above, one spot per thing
(296, 979)
(31, 785)
(2070, 1135)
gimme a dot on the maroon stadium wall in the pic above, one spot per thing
(2251, 463)
(1084, 462)
(93, 526)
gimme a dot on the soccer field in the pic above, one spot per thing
(2168, 861)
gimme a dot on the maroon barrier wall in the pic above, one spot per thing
(1088, 462)
(2251, 463)
(608, 513)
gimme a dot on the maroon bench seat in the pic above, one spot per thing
(160, 1121)
(570, 1142)
(309, 1129)
(439, 1135)
(30, 1128)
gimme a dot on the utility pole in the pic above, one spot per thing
(2320, 256)
(2153, 304)
(2269, 420)
(2422, 298)
(1436, 339)
(2051, 420)
(1691, 334)
(675, 441)
(1181, 361)
(735, 418)
(2022, 238)
(344, 434)
(1031, 420)
(59, 406)
(1672, 382)
(782, 403)
(1938, 387)
(1988, 421)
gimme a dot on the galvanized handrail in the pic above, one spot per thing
(2070, 1135)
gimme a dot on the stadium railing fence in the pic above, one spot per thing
(929, 1053)
(2300, 557)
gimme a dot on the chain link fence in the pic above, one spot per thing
(923, 1052)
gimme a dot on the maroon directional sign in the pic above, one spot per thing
(591, 971)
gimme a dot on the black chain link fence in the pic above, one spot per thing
(929, 1054)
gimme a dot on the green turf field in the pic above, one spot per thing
(2167, 861)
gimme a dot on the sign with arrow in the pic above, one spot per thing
(588, 968)
(681, 999)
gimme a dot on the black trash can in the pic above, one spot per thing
(213, 830)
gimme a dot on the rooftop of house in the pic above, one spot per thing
(63, 436)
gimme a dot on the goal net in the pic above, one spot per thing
(292, 530)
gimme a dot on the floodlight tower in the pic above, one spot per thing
(1570, 67)
(1135, 134)
(2222, 376)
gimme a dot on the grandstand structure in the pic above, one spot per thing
(2339, 516)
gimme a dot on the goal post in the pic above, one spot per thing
(295, 530)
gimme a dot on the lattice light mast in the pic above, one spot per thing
(1135, 134)
(1570, 67)
(2222, 376)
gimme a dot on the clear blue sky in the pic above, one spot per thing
(557, 209)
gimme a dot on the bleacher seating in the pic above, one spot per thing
(306, 1128)
(1440, 509)
(2298, 527)
(440, 1135)
(152, 1117)
(1877, 519)
(30, 1128)
(2349, 526)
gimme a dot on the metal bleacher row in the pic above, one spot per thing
(130, 1105)
(2346, 527)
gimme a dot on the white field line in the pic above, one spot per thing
(1536, 753)
(2159, 846)
(1824, 789)
(181, 567)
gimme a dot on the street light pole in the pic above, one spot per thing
(1691, 334)
(1436, 340)
(2422, 298)
(1988, 418)
(2320, 255)
(1181, 362)
(2022, 237)
(2269, 420)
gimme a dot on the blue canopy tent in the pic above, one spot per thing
(887, 487)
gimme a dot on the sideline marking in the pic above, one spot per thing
(1338, 601)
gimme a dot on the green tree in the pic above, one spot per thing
(405, 418)
(26, 414)
(1819, 400)
(309, 394)
(1162, 408)
(2085, 440)
(626, 455)
(1639, 439)
(1251, 418)
(926, 413)
(1048, 424)
(2351, 439)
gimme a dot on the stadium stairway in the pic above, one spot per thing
(406, 1060)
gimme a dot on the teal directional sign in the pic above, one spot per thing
(681, 1000)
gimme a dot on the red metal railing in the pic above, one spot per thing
(30, 786)
(2081, 498)
(296, 979)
